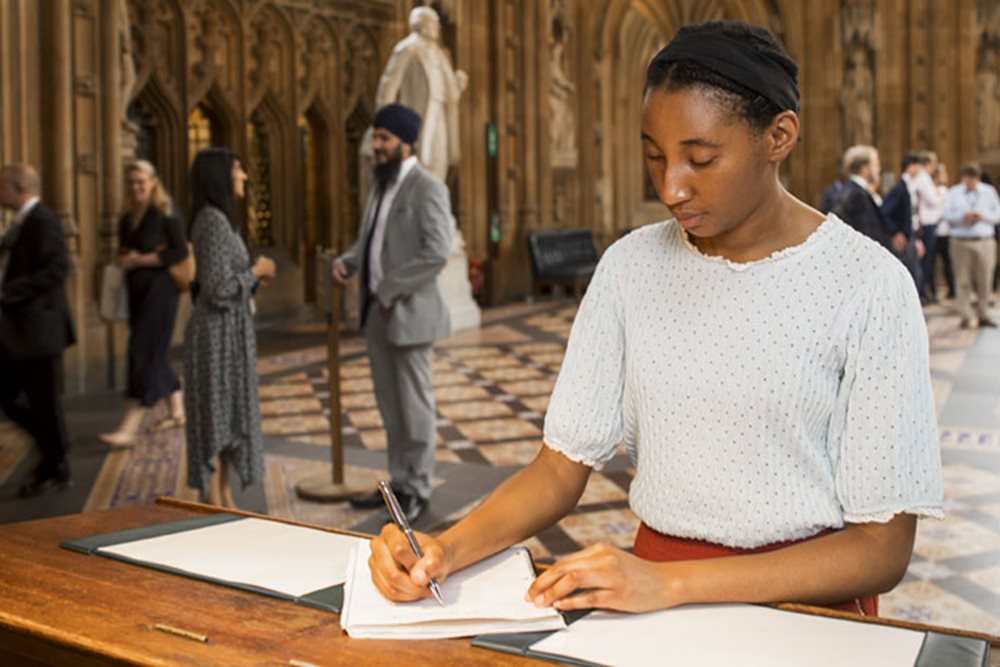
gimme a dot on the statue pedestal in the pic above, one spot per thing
(456, 288)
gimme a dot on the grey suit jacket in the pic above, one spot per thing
(416, 249)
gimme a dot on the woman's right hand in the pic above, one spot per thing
(395, 569)
(264, 268)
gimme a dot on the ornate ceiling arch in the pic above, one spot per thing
(624, 35)
(319, 65)
(669, 15)
(214, 35)
(361, 66)
(157, 42)
(270, 53)
(160, 106)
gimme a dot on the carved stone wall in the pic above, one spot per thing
(857, 97)
(902, 75)
(560, 80)
(122, 77)
(987, 44)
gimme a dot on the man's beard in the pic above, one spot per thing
(386, 172)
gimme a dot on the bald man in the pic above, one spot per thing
(35, 325)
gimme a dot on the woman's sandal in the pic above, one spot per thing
(120, 439)
(168, 423)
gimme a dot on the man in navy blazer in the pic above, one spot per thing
(35, 325)
(856, 206)
(898, 211)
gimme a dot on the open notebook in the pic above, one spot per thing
(487, 597)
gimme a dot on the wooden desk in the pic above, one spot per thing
(58, 607)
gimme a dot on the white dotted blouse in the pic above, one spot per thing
(760, 402)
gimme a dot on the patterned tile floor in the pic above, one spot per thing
(492, 389)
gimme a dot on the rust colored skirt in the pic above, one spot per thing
(655, 546)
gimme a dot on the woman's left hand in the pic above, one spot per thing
(129, 260)
(606, 578)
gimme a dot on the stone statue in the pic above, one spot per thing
(988, 101)
(857, 98)
(125, 57)
(420, 75)
(562, 92)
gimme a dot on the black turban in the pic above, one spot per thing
(402, 121)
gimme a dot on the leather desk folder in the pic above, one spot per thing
(654, 646)
(330, 598)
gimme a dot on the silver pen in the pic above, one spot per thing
(396, 512)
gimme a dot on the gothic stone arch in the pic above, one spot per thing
(625, 35)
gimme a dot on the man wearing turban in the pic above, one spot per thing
(403, 245)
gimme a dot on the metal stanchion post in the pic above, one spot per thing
(333, 487)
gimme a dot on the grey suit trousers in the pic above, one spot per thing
(405, 396)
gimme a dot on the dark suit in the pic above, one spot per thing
(35, 328)
(898, 211)
(831, 195)
(857, 208)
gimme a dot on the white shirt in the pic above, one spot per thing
(944, 225)
(22, 213)
(378, 235)
(961, 200)
(924, 199)
(759, 402)
(866, 186)
(862, 183)
(929, 202)
(25, 209)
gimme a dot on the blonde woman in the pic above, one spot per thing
(150, 239)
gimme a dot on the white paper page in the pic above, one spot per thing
(293, 560)
(490, 590)
(731, 634)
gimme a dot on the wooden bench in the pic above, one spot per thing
(565, 257)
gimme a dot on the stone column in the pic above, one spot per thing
(111, 156)
(111, 121)
(59, 189)
(58, 183)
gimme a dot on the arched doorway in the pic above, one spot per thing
(154, 129)
(204, 130)
(357, 122)
(260, 218)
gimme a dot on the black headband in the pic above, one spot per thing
(737, 61)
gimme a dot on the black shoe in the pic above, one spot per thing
(413, 507)
(987, 322)
(368, 501)
(46, 479)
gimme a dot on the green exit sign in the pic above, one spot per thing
(491, 140)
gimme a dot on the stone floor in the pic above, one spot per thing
(492, 388)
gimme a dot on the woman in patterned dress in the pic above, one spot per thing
(220, 367)
(150, 239)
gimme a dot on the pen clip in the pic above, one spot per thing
(392, 504)
(396, 512)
